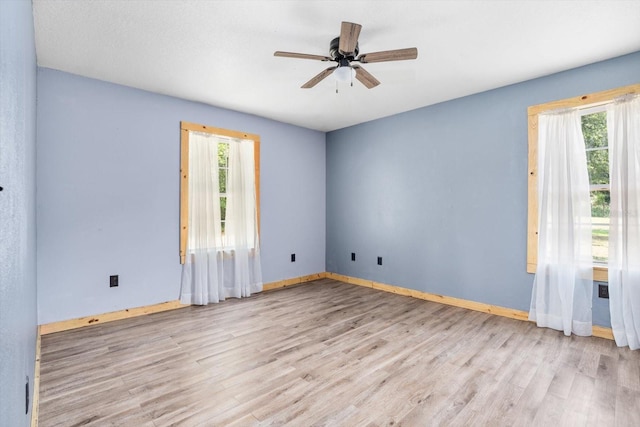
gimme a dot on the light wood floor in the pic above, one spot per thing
(329, 353)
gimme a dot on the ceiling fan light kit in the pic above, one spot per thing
(344, 74)
(344, 50)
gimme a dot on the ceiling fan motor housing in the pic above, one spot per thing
(335, 52)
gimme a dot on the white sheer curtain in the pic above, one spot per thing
(217, 265)
(243, 275)
(563, 284)
(623, 124)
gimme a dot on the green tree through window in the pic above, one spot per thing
(223, 168)
(594, 129)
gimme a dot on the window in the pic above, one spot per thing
(592, 106)
(594, 130)
(223, 138)
(223, 169)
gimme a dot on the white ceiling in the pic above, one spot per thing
(221, 52)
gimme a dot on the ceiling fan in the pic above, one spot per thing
(344, 51)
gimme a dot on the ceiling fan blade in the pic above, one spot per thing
(302, 56)
(365, 77)
(389, 55)
(349, 33)
(317, 79)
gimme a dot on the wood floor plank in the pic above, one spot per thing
(328, 353)
(579, 400)
(627, 413)
(629, 370)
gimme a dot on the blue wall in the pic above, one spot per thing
(441, 192)
(18, 325)
(108, 194)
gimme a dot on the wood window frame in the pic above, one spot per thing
(600, 273)
(185, 127)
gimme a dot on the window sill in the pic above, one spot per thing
(600, 272)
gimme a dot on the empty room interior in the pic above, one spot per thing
(353, 213)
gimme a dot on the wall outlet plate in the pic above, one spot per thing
(379, 260)
(353, 256)
(113, 281)
(293, 257)
(603, 291)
